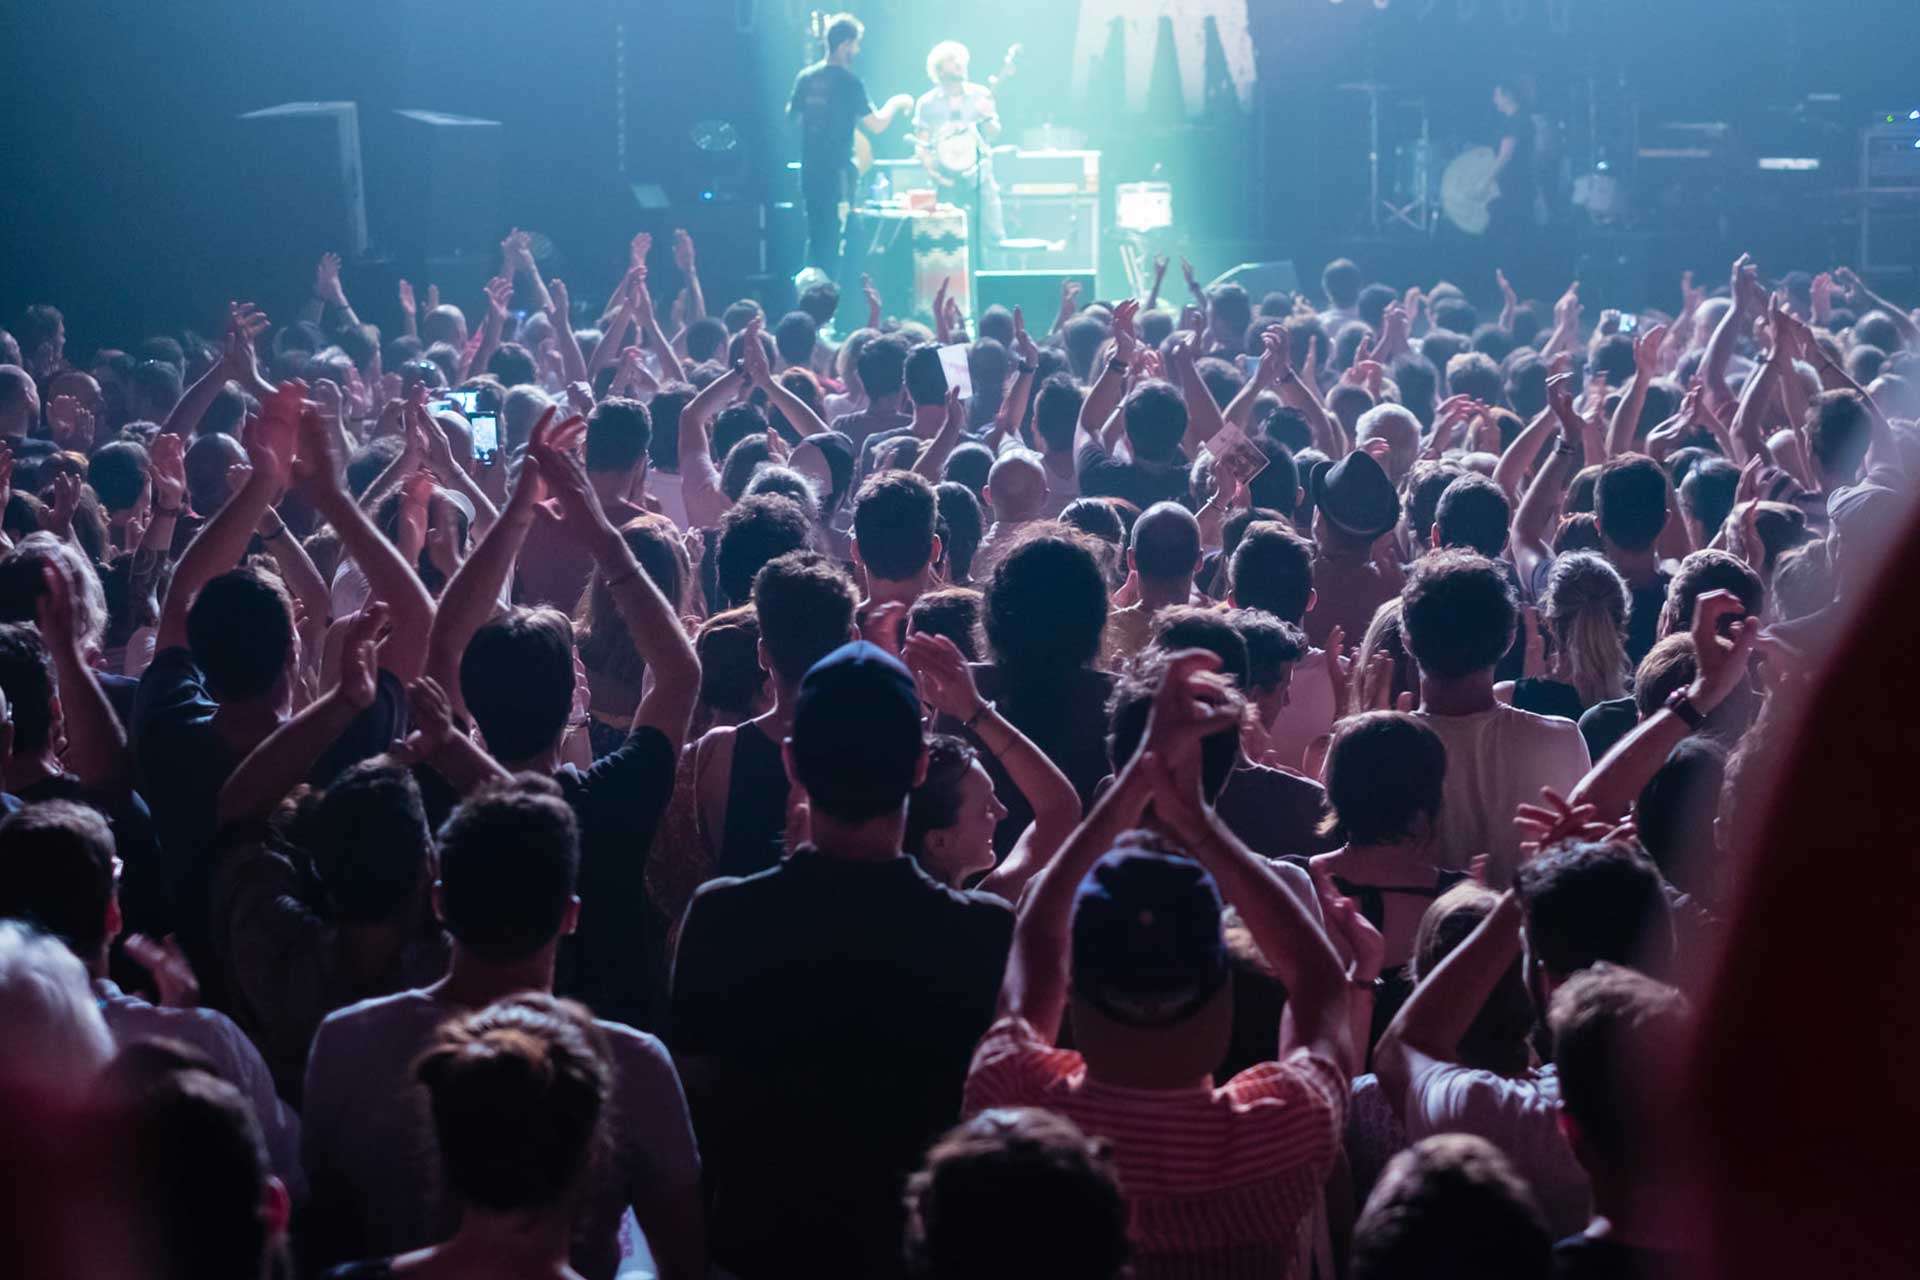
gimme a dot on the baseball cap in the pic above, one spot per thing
(1147, 948)
(857, 735)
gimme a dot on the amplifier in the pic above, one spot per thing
(1048, 173)
(1890, 155)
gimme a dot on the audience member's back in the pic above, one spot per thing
(824, 1011)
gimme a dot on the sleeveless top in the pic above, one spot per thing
(756, 805)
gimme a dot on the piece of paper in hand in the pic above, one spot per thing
(953, 363)
(1235, 457)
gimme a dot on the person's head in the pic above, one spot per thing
(1457, 615)
(1630, 500)
(882, 368)
(1229, 310)
(1617, 1040)
(1046, 605)
(733, 685)
(961, 525)
(517, 1093)
(1272, 569)
(825, 459)
(1155, 417)
(1456, 316)
(1016, 487)
(240, 632)
(1400, 429)
(519, 410)
(59, 873)
(618, 432)
(752, 532)
(1185, 626)
(1019, 1193)
(444, 323)
(1384, 774)
(516, 677)
(1525, 385)
(1165, 545)
(509, 859)
(953, 612)
(1472, 374)
(952, 814)
(367, 839)
(844, 32)
(1706, 497)
(795, 337)
(1150, 994)
(1587, 903)
(56, 1041)
(1473, 513)
(742, 312)
(1422, 489)
(1497, 1039)
(1838, 433)
(153, 389)
(1056, 409)
(1099, 518)
(1802, 582)
(804, 604)
(894, 517)
(1709, 570)
(19, 401)
(857, 745)
(1585, 612)
(706, 338)
(1278, 484)
(819, 302)
(1274, 648)
(514, 365)
(23, 583)
(1340, 281)
(926, 380)
(120, 474)
(1451, 1206)
(1673, 816)
(1613, 357)
(969, 464)
(194, 1171)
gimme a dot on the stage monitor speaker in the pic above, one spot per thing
(1036, 292)
(304, 168)
(445, 197)
(1261, 278)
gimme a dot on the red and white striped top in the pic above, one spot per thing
(1219, 1180)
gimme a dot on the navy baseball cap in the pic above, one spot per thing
(1147, 946)
(857, 734)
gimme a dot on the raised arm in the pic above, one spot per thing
(1436, 1017)
(472, 595)
(933, 457)
(561, 315)
(1519, 457)
(1104, 397)
(796, 411)
(1853, 284)
(1613, 785)
(1533, 517)
(689, 265)
(389, 577)
(699, 478)
(409, 310)
(280, 763)
(658, 637)
(269, 441)
(1626, 414)
(245, 323)
(1013, 406)
(1204, 420)
(1748, 301)
(516, 253)
(499, 295)
(96, 748)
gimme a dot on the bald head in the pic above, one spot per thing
(1166, 543)
(19, 401)
(1017, 487)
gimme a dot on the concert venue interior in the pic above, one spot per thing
(1671, 136)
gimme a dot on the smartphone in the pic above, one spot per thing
(467, 402)
(1629, 323)
(486, 437)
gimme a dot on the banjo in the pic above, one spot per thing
(1467, 189)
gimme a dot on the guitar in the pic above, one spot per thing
(953, 151)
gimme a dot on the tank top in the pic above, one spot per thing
(756, 805)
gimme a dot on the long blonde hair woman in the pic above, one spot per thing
(1584, 617)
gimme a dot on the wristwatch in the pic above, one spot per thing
(1681, 705)
(1029, 366)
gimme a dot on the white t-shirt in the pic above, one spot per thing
(1519, 1115)
(664, 487)
(1496, 761)
(369, 1152)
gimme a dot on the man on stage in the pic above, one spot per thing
(829, 101)
(952, 108)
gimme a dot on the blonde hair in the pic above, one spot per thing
(1586, 613)
(942, 52)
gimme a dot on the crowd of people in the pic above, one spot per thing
(1258, 788)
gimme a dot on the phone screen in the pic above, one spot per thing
(1629, 323)
(486, 436)
(467, 402)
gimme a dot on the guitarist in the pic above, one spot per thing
(954, 105)
(829, 101)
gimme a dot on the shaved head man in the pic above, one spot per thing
(1017, 492)
(1163, 554)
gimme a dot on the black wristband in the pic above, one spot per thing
(1681, 705)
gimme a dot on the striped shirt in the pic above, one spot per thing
(1219, 1180)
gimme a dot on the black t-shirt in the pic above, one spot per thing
(1065, 713)
(1546, 697)
(829, 101)
(1518, 179)
(1142, 483)
(1605, 723)
(181, 762)
(824, 1013)
(1643, 615)
(611, 963)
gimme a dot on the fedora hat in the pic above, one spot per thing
(1355, 495)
